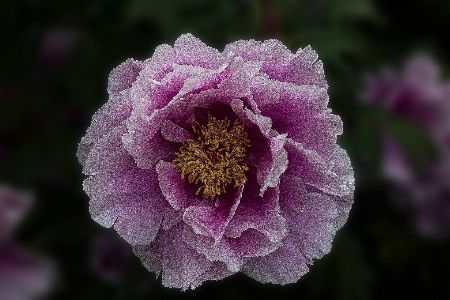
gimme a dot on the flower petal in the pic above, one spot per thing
(108, 117)
(314, 172)
(261, 213)
(312, 229)
(175, 133)
(272, 52)
(123, 76)
(173, 186)
(180, 264)
(305, 69)
(211, 221)
(232, 251)
(284, 265)
(189, 50)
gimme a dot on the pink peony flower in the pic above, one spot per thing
(418, 95)
(209, 163)
(23, 274)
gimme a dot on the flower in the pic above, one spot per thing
(425, 197)
(209, 163)
(23, 275)
(418, 95)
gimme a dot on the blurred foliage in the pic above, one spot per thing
(45, 111)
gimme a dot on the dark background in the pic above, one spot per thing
(48, 95)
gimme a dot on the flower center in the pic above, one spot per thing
(215, 159)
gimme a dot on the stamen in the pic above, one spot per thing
(214, 160)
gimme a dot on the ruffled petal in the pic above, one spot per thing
(313, 229)
(108, 117)
(159, 64)
(283, 266)
(261, 213)
(123, 76)
(272, 53)
(173, 187)
(314, 172)
(273, 161)
(189, 50)
(309, 121)
(305, 69)
(175, 133)
(211, 220)
(180, 266)
(231, 251)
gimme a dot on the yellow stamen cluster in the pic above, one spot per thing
(214, 160)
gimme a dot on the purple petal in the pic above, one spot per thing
(305, 69)
(24, 275)
(261, 213)
(312, 229)
(139, 220)
(180, 265)
(122, 77)
(173, 186)
(159, 64)
(13, 206)
(309, 121)
(231, 251)
(272, 52)
(175, 133)
(284, 265)
(314, 172)
(211, 220)
(292, 192)
(108, 117)
(189, 50)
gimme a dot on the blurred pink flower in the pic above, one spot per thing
(209, 163)
(425, 197)
(420, 96)
(417, 94)
(23, 275)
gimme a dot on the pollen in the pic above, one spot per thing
(215, 159)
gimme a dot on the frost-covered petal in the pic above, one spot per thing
(175, 133)
(106, 119)
(159, 64)
(309, 121)
(313, 228)
(180, 266)
(123, 76)
(211, 220)
(304, 69)
(272, 52)
(173, 186)
(189, 50)
(313, 170)
(261, 213)
(232, 251)
(283, 266)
